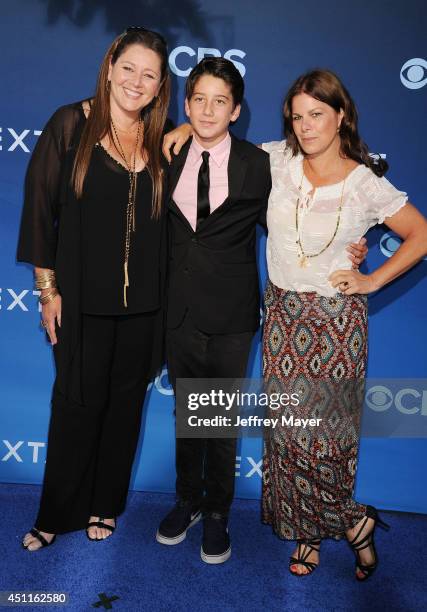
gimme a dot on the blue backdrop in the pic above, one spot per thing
(51, 51)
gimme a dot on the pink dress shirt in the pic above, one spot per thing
(185, 194)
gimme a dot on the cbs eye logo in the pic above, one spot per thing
(379, 398)
(389, 244)
(413, 73)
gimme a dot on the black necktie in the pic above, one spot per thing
(203, 207)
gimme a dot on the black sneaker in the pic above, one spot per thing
(173, 528)
(216, 541)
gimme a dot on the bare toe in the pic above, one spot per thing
(98, 533)
(92, 533)
(31, 543)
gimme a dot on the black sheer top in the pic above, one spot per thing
(61, 233)
(103, 214)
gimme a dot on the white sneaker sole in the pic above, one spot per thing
(214, 559)
(179, 538)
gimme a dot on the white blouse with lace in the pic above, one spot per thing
(367, 200)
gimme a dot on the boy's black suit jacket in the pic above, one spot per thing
(213, 271)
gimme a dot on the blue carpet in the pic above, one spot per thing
(145, 575)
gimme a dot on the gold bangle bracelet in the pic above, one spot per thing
(44, 277)
(47, 284)
(49, 274)
(48, 297)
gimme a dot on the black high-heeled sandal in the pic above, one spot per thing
(360, 543)
(305, 547)
(36, 534)
(101, 525)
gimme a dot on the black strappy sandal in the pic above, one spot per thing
(305, 547)
(360, 543)
(36, 534)
(101, 525)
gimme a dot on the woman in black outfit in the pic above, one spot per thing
(93, 227)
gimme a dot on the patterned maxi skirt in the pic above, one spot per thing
(316, 347)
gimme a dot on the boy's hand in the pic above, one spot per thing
(358, 252)
(177, 137)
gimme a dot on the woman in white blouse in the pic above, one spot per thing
(327, 191)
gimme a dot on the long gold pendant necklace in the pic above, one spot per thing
(130, 209)
(302, 255)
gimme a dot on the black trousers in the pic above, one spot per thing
(206, 467)
(91, 446)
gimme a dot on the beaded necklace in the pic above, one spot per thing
(302, 255)
(130, 209)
